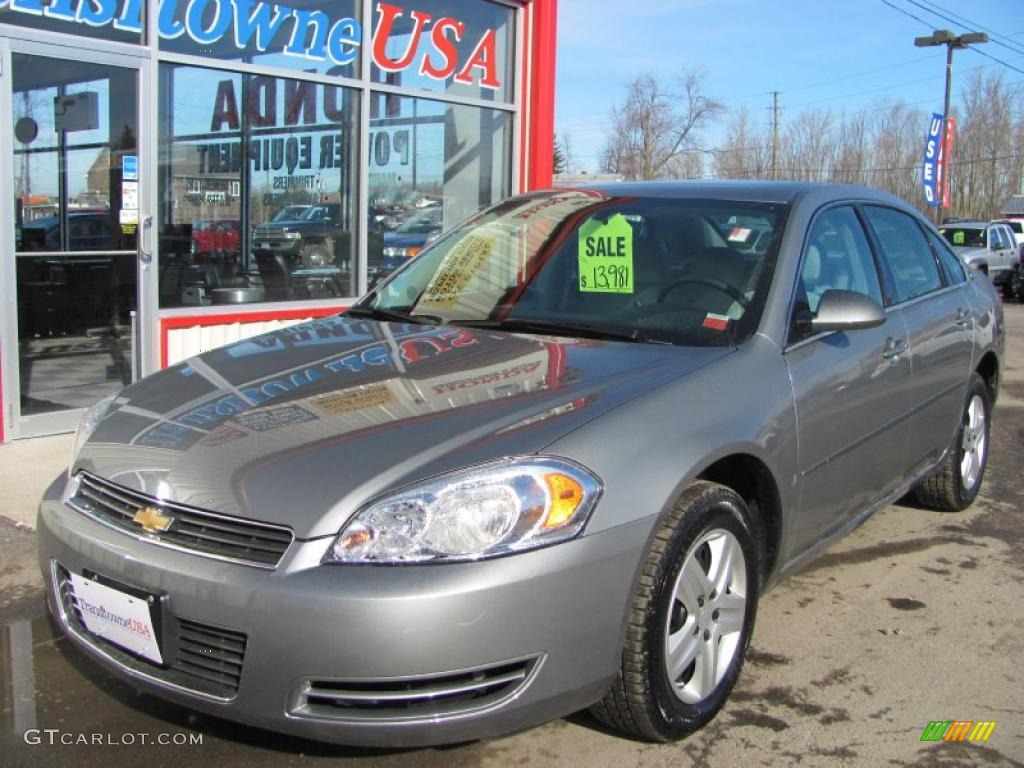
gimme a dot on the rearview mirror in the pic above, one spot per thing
(846, 311)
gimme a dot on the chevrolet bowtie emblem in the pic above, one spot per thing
(152, 520)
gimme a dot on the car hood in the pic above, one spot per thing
(406, 239)
(303, 425)
(969, 254)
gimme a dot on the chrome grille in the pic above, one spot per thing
(208, 659)
(193, 530)
(434, 696)
(268, 233)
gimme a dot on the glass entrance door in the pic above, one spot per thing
(76, 216)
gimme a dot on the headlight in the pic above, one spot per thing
(508, 506)
(90, 419)
(394, 252)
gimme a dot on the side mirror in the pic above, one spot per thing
(846, 311)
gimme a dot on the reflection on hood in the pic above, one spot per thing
(289, 425)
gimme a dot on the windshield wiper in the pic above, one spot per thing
(523, 325)
(392, 315)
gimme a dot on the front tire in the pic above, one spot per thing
(690, 620)
(955, 484)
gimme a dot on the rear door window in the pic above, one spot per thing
(909, 257)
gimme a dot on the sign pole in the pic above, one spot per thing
(945, 113)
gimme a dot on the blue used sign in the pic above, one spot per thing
(930, 170)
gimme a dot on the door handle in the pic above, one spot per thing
(963, 318)
(146, 246)
(894, 348)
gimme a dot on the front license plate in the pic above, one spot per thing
(120, 618)
(264, 246)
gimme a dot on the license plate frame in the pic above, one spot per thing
(123, 604)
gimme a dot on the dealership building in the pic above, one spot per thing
(183, 174)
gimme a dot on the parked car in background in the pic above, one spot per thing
(87, 231)
(549, 464)
(989, 247)
(314, 239)
(413, 235)
(217, 237)
(1016, 227)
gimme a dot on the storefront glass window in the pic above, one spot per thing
(118, 20)
(258, 193)
(464, 49)
(432, 165)
(323, 36)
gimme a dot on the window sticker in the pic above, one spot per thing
(459, 267)
(606, 256)
(740, 234)
(959, 237)
(716, 322)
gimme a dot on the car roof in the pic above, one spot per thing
(966, 225)
(740, 189)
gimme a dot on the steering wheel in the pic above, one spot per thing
(718, 285)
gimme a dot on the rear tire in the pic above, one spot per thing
(1011, 286)
(690, 620)
(955, 484)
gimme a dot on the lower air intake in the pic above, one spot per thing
(428, 697)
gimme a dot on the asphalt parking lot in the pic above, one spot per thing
(916, 616)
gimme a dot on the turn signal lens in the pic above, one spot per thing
(410, 252)
(566, 497)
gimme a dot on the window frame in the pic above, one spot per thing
(936, 242)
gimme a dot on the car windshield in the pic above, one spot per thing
(425, 222)
(586, 264)
(317, 213)
(964, 237)
(290, 212)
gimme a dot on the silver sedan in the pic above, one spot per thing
(548, 465)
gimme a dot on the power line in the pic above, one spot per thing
(905, 12)
(990, 56)
(995, 37)
(888, 87)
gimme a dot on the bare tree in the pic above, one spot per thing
(570, 159)
(656, 130)
(745, 154)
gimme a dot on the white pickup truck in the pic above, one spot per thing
(990, 247)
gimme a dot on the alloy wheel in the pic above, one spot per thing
(706, 615)
(973, 443)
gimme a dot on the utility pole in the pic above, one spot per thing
(775, 134)
(951, 41)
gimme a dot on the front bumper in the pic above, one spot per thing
(551, 621)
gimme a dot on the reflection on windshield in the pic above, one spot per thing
(692, 272)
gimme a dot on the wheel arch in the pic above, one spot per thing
(988, 369)
(755, 483)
